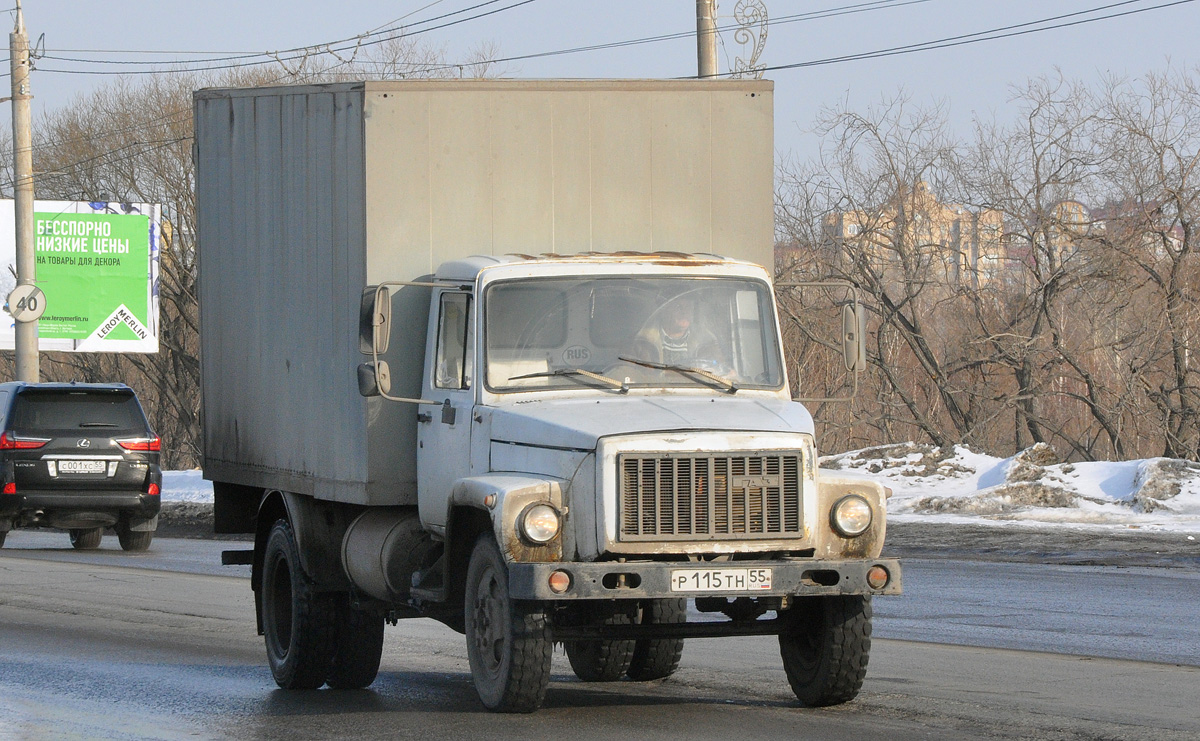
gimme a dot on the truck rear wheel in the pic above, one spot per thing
(825, 646)
(603, 660)
(359, 647)
(298, 623)
(87, 538)
(655, 658)
(508, 641)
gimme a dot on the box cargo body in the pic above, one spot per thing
(312, 193)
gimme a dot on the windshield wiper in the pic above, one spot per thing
(574, 372)
(723, 383)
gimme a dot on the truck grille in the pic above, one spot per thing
(698, 496)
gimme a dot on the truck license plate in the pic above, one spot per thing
(81, 466)
(720, 580)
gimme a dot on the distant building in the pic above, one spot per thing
(1142, 224)
(1054, 239)
(916, 231)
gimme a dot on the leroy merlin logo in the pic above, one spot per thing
(120, 317)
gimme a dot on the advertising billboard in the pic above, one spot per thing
(97, 264)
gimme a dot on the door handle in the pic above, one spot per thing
(424, 417)
(448, 413)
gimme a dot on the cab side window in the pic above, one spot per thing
(454, 357)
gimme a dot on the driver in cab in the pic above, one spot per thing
(676, 338)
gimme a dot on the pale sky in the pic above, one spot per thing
(972, 78)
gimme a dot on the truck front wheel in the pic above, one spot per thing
(508, 642)
(656, 658)
(298, 623)
(825, 644)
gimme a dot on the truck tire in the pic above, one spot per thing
(602, 661)
(656, 658)
(508, 642)
(86, 539)
(825, 645)
(298, 623)
(359, 646)
(133, 540)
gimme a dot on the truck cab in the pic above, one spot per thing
(695, 449)
(619, 430)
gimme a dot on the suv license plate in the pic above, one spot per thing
(720, 580)
(81, 466)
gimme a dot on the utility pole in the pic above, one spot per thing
(706, 38)
(26, 293)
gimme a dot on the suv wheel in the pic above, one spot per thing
(86, 539)
(133, 540)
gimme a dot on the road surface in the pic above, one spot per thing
(108, 645)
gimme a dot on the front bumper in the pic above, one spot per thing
(652, 579)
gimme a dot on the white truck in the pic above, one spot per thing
(469, 353)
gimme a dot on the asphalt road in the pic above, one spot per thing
(114, 645)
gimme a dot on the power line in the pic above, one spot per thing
(963, 39)
(159, 144)
(380, 30)
(811, 15)
(959, 40)
(299, 53)
(166, 119)
(973, 38)
(861, 7)
(178, 115)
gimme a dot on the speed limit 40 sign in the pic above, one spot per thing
(26, 303)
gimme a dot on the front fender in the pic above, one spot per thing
(829, 543)
(504, 497)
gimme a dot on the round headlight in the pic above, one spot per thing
(851, 516)
(539, 523)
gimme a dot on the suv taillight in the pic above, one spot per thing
(9, 441)
(151, 444)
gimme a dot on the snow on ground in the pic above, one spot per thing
(958, 485)
(186, 486)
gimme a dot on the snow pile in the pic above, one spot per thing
(186, 486)
(958, 485)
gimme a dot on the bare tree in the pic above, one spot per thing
(1148, 130)
(1077, 332)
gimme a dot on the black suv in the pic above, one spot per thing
(80, 457)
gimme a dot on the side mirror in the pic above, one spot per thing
(374, 379)
(375, 321)
(854, 336)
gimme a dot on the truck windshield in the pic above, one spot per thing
(624, 333)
